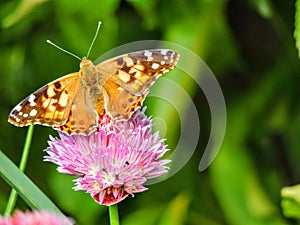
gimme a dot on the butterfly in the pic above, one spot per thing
(116, 87)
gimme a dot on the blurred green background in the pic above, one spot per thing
(250, 48)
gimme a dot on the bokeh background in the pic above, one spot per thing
(250, 48)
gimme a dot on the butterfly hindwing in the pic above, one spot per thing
(119, 102)
(49, 105)
(83, 118)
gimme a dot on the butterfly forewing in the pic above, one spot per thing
(49, 105)
(129, 77)
(137, 71)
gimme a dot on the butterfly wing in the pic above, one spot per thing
(119, 102)
(49, 105)
(117, 86)
(83, 118)
(128, 78)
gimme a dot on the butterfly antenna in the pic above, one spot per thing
(64, 50)
(94, 39)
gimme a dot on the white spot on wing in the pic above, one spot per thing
(18, 108)
(172, 57)
(164, 51)
(31, 100)
(155, 66)
(148, 54)
(33, 112)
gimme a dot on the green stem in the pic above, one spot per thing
(24, 158)
(113, 214)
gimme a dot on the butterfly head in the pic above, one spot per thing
(85, 63)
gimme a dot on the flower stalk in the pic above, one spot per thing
(23, 162)
(113, 214)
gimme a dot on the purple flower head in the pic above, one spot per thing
(114, 161)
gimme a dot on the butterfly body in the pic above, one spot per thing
(117, 87)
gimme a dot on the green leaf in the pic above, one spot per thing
(69, 200)
(235, 177)
(29, 192)
(297, 27)
(23, 8)
(291, 201)
(146, 215)
(263, 7)
(176, 212)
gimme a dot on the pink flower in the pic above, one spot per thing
(35, 218)
(114, 161)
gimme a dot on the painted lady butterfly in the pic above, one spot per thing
(117, 86)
